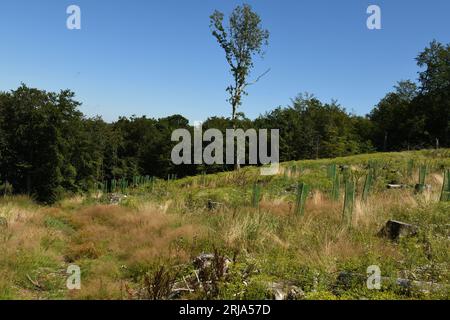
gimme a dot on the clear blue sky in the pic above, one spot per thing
(158, 57)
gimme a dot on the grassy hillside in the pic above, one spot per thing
(144, 246)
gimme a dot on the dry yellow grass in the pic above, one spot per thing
(134, 235)
(141, 236)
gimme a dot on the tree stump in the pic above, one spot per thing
(395, 230)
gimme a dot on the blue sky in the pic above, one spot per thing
(158, 58)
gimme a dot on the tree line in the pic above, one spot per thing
(48, 148)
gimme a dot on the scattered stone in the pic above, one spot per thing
(347, 279)
(205, 260)
(116, 198)
(397, 229)
(285, 291)
(397, 186)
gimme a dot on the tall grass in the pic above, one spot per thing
(290, 234)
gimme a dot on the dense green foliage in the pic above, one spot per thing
(414, 116)
(47, 146)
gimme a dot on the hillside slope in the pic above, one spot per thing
(261, 237)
